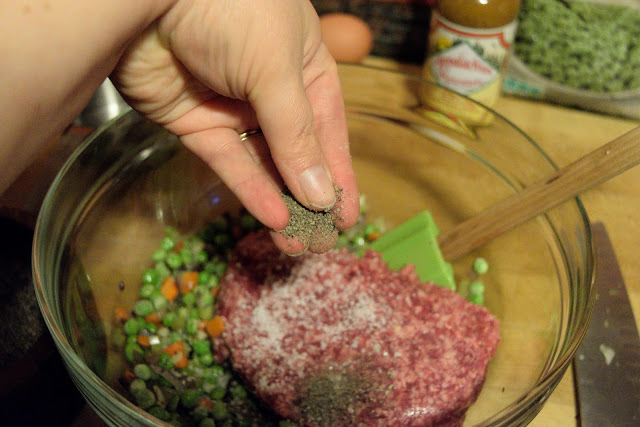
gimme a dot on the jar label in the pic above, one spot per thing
(468, 60)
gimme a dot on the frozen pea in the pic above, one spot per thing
(480, 266)
(133, 351)
(137, 386)
(476, 298)
(174, 260)
(159, 302)
(192, 326)
(160, 413)
(159, 255)
(189, 299)
(131, 327)
(147, 290)
(149, 276)
(143, 307)
(219, 410)
(190, 397)
(145, 398)
(142, 371)
(476, 287)
(217, 393)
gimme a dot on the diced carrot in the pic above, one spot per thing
(177, 248)
(121, 314)
(206, 402)
(215, 326)
(144, 340)
(169, 288)
(215, 290)
(373, 236)
(128, 375)
(177, 348)
(152, 318)
(188, 281)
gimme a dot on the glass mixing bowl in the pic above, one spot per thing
(109, 206)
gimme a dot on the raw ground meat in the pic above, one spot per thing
(333, 339)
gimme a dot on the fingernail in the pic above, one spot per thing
(318, 188)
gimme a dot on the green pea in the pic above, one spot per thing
(151, 327)
(213, 282)
(132, 339)
(143, 307)
(480, 266)
(476, 287)
(190, 397)
(187, 256)
(192, 326)
(206, 313)
(214, 374)
(159, 302)
(189, 299)
(149, 276)
(145, 398)
(174, 260)
(167, 243)
(210, 267)
(205, 299)
(166, 361)
(206, 359)
(217, 393)
(133, 351)
(158, 255)
(131, 327)
(203, 277)
(207, 422)
(137, 385)
(202, 257)
(162, 269)
(147, 290)
(169, 319)
(201, 347)
(178, 325)
(476, 298)
(142, 371)
(219, 410)
(238, 391)
(194, 313)
(160, 413)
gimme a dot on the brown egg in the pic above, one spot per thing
(348, 38)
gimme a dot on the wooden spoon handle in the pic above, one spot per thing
(606, 162)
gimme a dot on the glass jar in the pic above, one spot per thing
(469, 41)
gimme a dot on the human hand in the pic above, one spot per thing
(210, 70)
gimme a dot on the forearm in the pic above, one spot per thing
(55, 53)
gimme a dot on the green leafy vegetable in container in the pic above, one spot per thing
(582, 44)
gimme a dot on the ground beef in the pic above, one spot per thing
(333, 339)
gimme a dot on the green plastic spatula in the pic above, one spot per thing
(415, 242)
(418, 241)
